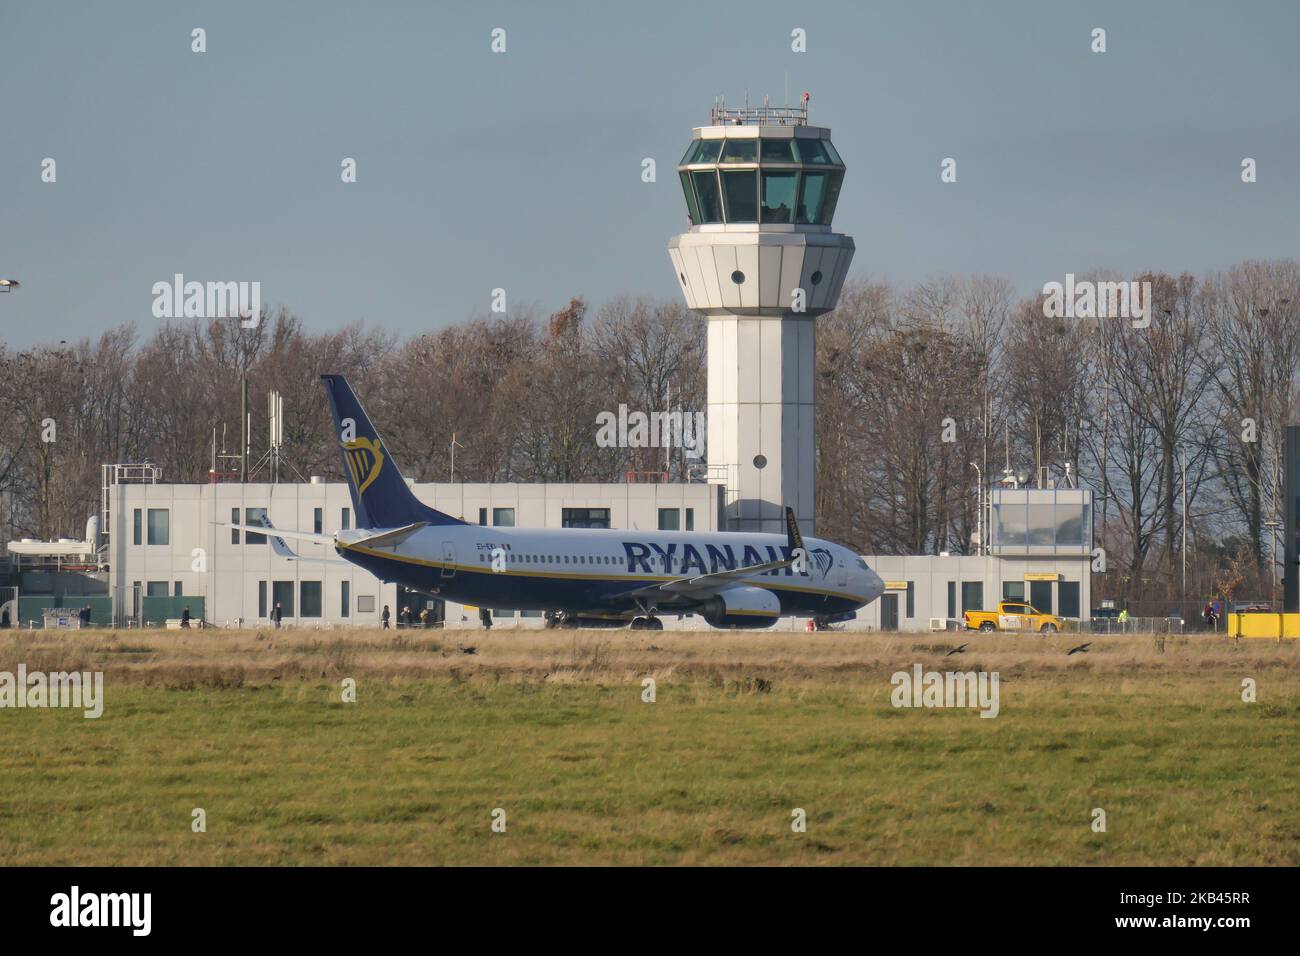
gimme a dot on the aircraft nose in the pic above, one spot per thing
(875, 586)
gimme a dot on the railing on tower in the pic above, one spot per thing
(759, 115)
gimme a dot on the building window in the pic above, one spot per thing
(318, 519)
(137, 524)
(670, 519)
(482, 517)
(346, 522)
(282, 594)
(155, 589)
(972, 596)
(584, 518)
(1013, 590)
(261, 599)
(309, 599)
(234, 519)
(1068, 592)
(365, 604)
(690, 519)
(177, 589)
(503, 517)
(159, 526)
(952, 598)
(254, 517)
(345, 598)
(911, 599)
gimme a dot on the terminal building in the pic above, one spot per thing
(761, 260)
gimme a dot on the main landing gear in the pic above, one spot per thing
(647, 624)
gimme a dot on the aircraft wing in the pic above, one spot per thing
(707, 585)
(389, 539)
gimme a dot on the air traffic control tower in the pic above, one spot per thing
(761, 261)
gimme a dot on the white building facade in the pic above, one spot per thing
(167, 548)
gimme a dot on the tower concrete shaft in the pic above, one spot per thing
(760, 260)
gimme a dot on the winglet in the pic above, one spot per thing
(794, 538)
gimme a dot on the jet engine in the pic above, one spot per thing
(742, 606)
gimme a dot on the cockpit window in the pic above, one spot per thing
(862, 564)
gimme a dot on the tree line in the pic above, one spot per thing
(922, 391)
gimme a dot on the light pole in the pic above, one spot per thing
(1183, 460)
(979, 508)
(454, 445)
(1273, 526)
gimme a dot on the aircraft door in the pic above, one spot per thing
(841, 573)
(449, 559)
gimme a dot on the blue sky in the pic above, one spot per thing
(522, 170)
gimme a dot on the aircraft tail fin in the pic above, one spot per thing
(380, 495)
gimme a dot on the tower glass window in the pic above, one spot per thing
(833, 181)
(818, 194)
(812, 151)
(778, 196)
(742, 195)
(706, 151)
(692, 209)
(778, 151)
(740, 151)
(811, 191)
(706, 192)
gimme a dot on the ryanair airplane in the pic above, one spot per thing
(578, 576)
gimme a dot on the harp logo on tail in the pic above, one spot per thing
(364, 461)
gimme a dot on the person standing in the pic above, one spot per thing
(185, 617)
(277, 613)
(385, 616)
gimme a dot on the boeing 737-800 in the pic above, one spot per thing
(579, 575)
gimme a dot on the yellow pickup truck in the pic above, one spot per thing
(1012, 616)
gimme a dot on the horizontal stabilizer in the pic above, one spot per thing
(268, 530)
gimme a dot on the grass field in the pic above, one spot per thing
(551, 728)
